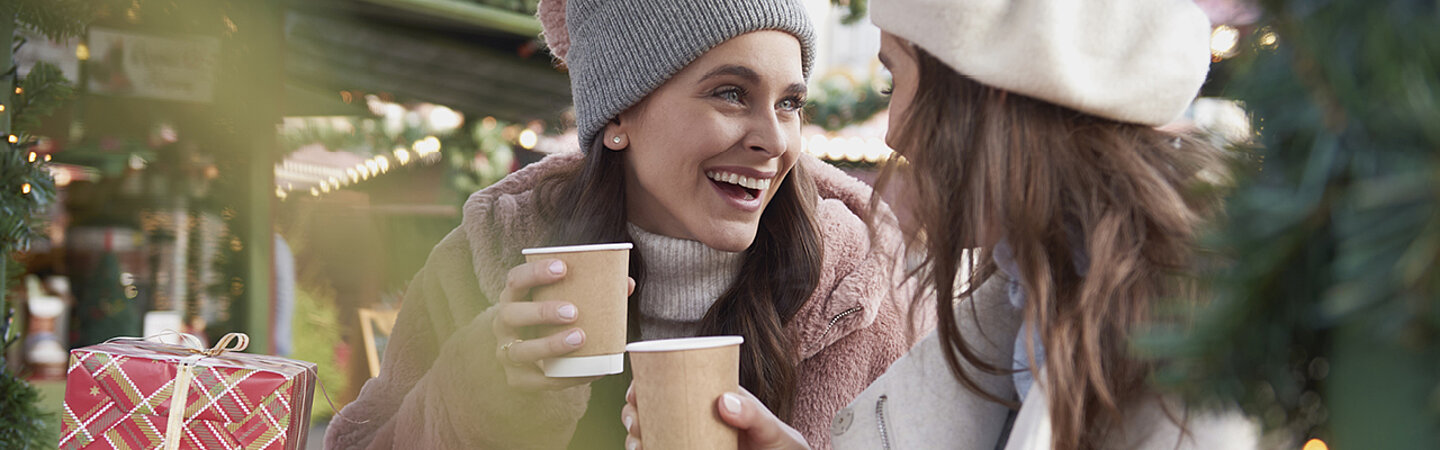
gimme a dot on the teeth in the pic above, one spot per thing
(739, 180)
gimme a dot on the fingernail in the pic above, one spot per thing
(628, 421)
(574, 338)
(732, 403)
(629, 390)
(631, 444)
(557, 267)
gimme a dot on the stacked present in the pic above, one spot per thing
(147, 395)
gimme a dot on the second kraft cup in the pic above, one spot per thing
(677, 382)
(596, 283)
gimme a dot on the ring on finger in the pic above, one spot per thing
(506, 349)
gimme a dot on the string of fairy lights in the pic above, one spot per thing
(32, 157)
(848, 149)
(319, 179)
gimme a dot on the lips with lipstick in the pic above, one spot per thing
(738, 186)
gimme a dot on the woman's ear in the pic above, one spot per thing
(614, 136)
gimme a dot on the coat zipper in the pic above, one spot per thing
(837, 318)
(880, 421)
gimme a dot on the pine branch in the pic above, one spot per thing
(61, 19)
(22, 424)
(841, 101)
(26, 188)
(1336, 242)
(858, 9)
(45, 90)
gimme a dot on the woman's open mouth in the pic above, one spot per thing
(744, 192)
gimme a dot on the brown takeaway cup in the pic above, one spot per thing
(596, 283)
(677, 382)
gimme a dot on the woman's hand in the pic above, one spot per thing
(759, 428)
(521, 357)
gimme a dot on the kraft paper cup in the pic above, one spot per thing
(676, 384)
(595, 282)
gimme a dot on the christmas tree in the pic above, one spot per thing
(25, 184)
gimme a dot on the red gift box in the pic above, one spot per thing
(123, 395)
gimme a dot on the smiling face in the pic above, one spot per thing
(707, 151)
(898, 56)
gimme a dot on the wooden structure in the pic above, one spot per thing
(474, 58)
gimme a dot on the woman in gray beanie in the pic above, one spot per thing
(1029, 131)
(689, 121)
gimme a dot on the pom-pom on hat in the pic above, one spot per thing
(618, 51)
(1139, 61)
(552, 18)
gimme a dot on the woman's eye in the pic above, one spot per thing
(791, 104)
(887, 91)
(730, 94)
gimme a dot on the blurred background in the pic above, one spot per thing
(283, 167)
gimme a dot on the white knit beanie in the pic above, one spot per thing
(1139, 61)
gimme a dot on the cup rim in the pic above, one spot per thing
(690, 343)
(577, 248)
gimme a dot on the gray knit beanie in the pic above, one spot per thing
(618, 51)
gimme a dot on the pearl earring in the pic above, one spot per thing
(615, 139)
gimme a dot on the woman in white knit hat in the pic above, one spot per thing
(1029, 131)
(689, 122)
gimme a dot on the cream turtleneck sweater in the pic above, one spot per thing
(683, 278)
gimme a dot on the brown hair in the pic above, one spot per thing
(778, 271)
(1099, 216)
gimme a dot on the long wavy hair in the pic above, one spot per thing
(778, 272)
(1101, 215)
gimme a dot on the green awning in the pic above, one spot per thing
(474, 63)
(470, 12)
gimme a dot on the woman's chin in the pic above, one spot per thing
(729, 238)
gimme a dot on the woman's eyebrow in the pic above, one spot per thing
(743, 72)
(749, 75)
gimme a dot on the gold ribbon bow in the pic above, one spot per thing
(232, 342)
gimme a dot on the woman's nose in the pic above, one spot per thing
(767, 134)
